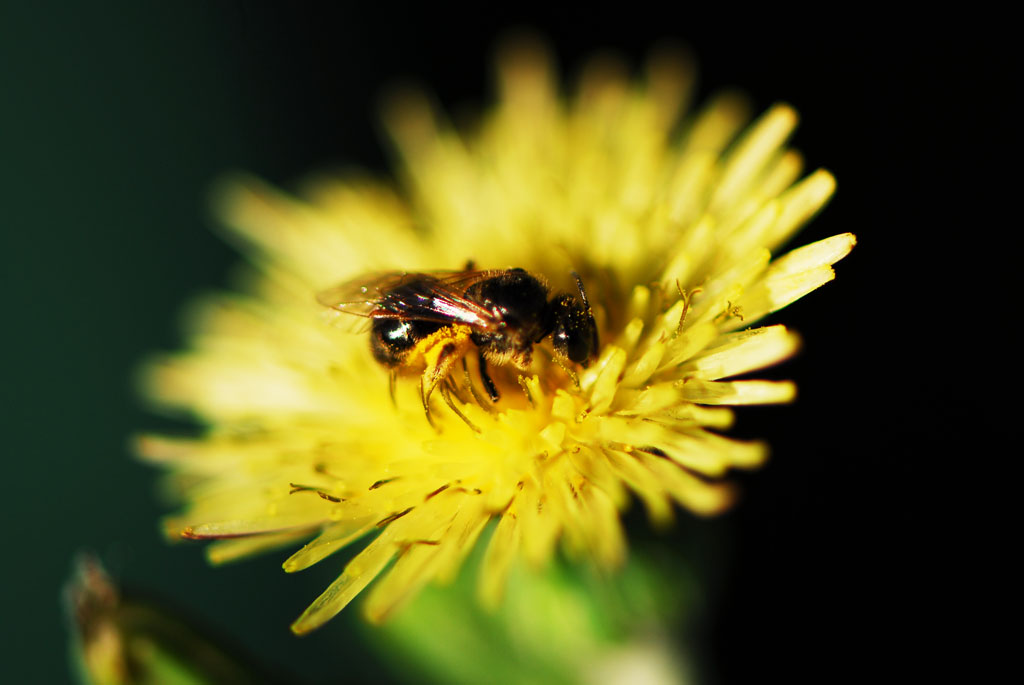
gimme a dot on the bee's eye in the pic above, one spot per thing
(578, 348)
(579, 341)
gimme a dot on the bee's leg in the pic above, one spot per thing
(437, 370)
(446, 394)
(425, 395)
(392, 380)
(492, 390)
(472, 387)
(454, 388)
(440, 351)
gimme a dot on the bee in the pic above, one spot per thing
(432, 321)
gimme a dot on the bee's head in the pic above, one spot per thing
(574, 331)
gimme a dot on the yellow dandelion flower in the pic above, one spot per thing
(671, 227)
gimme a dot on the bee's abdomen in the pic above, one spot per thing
(392, 339)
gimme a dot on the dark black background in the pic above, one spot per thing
(115, 122)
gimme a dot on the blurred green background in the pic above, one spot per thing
(115, 121)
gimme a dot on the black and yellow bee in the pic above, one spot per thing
(433, 320)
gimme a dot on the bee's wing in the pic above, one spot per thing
(349, 324)
(361, 295)
(428, 298)
(435, 296)
(460, 281)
